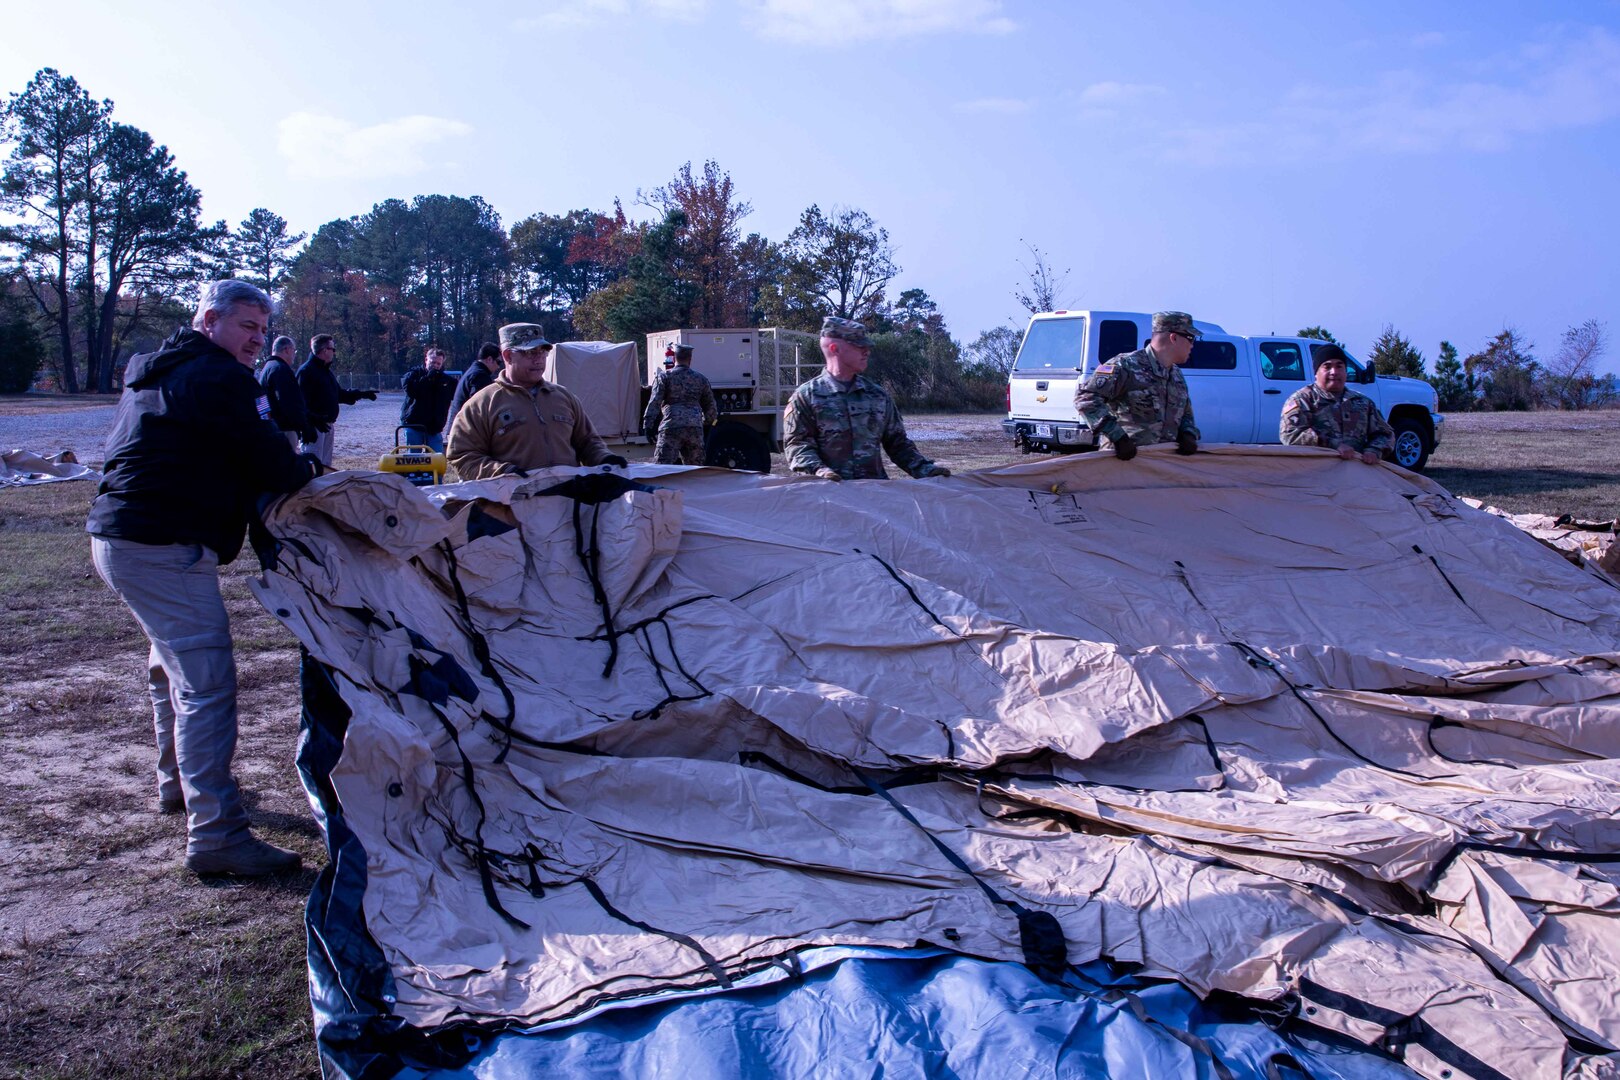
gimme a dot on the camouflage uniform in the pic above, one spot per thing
(1314, 417)
(846, 430)
(1135, 395)
(682, 402)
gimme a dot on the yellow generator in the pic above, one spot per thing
(420, 464)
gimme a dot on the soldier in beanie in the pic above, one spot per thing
(1329, 415)
(838, 425)
(682, 403)
(1140, 397)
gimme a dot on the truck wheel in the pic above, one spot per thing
(737, 446)
(1411, 445)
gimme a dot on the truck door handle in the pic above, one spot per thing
(1271, 391)
(1040, 386)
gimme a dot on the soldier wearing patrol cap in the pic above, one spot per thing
(521, 421)
(838, 425)
(1140, 397)
(682, 403)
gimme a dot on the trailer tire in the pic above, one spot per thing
(737, 446)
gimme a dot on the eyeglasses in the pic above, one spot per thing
(1190, 339)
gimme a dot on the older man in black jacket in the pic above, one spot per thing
(323, 395)
(190, 448)
(280, 384)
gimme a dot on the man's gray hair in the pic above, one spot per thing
(282, 342)
(222, 296)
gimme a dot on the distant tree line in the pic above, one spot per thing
(1505, 375)
(102, 251)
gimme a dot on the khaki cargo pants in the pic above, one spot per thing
(173, 591)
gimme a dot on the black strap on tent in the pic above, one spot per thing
(708, 959)
(507, 725)
(1255, 657)
(594, 489)
(1114, 994)
(1040, 935)
(906, 585)
(1400, 1030)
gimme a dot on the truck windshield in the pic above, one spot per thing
(1052, 345)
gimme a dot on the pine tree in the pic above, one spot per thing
(1393, 354)
(1454, 386)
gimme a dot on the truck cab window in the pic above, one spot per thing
(1281, 360)
(1213, 356)
(1115, 336)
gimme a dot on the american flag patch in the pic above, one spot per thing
(1105, 369)
(264, 407)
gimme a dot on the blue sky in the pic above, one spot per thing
(1448, 168)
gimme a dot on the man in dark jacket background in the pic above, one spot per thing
(323, 395)
(190, 448)
(280, 384)
(428, 391)
(475, 378)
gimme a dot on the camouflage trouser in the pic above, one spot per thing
(679, 446)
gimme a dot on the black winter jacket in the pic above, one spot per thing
(427, 399)
(286, 400)
(191, 446)
(473, 380)
(322, 394)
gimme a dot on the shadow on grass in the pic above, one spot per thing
(1483, 482)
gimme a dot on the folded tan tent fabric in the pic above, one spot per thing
(1258, 720)
(19, 468)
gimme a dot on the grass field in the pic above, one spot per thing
(116, 962)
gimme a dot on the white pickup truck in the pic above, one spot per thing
(1238, 384)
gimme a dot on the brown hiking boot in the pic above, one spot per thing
(251, 858)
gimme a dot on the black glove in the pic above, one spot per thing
(308, 435)
(369, 395)
(615, 459)
(650, 429)
(1186, 443)
(315, 464)
(1124, 447)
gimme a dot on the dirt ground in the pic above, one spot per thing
(114, 960)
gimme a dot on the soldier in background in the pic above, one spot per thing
(838, 425)
(1329, 415)
(682, 403)
(1140, 397)
(520, 421)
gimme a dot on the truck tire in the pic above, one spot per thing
(737, 446)
(1412, 446)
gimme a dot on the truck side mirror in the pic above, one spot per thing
(1368, 374)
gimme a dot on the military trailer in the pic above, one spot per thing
(753, 372)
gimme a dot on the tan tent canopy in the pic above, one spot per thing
(1259, 720)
